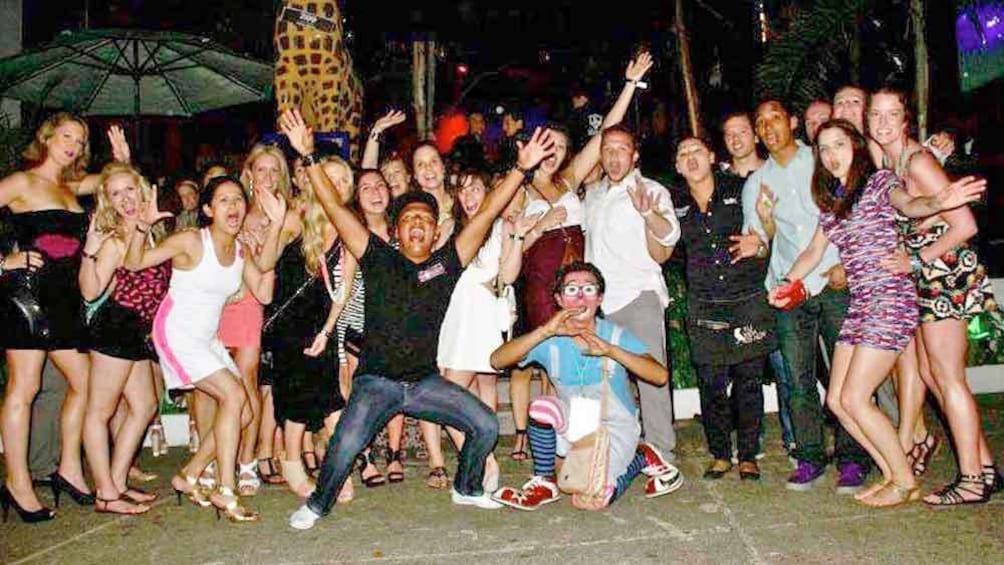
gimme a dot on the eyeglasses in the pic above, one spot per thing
(588, 289)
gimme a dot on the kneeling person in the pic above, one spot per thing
(574, 347)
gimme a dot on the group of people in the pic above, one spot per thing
(304, 306)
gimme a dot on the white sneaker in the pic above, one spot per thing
(483, 500)
(303, 519)
(668, 482)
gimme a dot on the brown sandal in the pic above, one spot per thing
(438, 478)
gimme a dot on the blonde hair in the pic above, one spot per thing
(315, 219)
(37, 152)
(106, 219)
(282, 186)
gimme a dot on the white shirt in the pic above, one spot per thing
(568, 200)
(616, 240)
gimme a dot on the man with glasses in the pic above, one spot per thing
(576, 347)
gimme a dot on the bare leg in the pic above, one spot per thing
(247, 359)
(840, 365)
(140, 394)
(226, 389)
(110, 375)
(912, 392)
(75, 366)
(268, 428)
(24, 379)
(519, 399)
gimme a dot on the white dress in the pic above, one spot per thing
(469, 335)
(185, 327)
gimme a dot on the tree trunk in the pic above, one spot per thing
(689, 84)
(922, 79)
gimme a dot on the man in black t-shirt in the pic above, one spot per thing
(407, 293)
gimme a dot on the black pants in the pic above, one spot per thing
(744, 410)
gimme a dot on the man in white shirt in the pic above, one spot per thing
(630, 230)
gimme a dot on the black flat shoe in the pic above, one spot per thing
(60, 484)
(7, 500)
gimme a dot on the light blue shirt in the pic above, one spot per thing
(795, 214)
(577, 372)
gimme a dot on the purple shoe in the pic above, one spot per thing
(805, 475)
(852, 477)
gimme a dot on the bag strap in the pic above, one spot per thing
(608, 369)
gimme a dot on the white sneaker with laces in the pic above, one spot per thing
(303, 519)
(483, 501)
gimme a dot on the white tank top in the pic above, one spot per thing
(200, 293)
(573, 208)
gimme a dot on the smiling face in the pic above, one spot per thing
(618, 154)
(775, 127)
(417, 230)
(580, 289)
(887, 118)
(817, 113)
(341, 177)
(66, 143)
(693, 160)
(188, 195)
(849, 104)
(836, 152)
(265, 172)
(124, 194)
(739, 139)
(429, 169)
(374, 196)
(397, 176)
(471, 195)
(227, 208)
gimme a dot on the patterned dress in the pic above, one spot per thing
(883, 308)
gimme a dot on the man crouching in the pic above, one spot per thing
(572, 347)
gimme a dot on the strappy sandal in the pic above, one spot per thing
(955, 493)
(901, 496)
(231, 506)
(395, 456)
(138, 496)
(189, 486)
(922, 453)
(268, 471)
(103, 506)
(521, 440)
(993, 479)
(309, 462)
(248, 481)
(207, 479)
(438, 478)
(372, 481)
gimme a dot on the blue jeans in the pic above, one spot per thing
(376, 399)
(782, 377)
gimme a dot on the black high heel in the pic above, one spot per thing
(7, 500)
(60, 484)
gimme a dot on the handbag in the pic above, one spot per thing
(584, 473)
(22, 297)
(505, 306)
(795, 292)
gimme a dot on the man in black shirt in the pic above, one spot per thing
(407, 293)
(731, 327)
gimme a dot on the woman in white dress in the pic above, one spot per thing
(470, 333)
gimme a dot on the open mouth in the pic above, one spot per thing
(234, 220)
(416, 235)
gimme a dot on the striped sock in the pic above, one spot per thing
(543, 442)
(624, 481)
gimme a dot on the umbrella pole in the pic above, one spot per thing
(135, 113)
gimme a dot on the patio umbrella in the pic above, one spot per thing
(115, 72)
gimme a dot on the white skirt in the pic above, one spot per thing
(468, 335)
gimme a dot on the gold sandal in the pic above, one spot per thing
(191, 489)
(231, 508)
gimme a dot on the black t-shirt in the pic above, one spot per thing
(405, 306)
(710, 272)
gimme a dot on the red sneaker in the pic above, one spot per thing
(537, 492)
(668, 482)
(655, 463)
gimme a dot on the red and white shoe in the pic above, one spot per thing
(537, 492)
(670, 481)
(655, 464)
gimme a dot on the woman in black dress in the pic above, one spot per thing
(40, 302)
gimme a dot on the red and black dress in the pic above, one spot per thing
(121, 326)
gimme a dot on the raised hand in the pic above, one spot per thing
(744, 246)
(558, 324)
(595, 345)
(149, 213)
(95, 238)
(120, 147)
(637, 68)
(300, 136)
(539, 147)
(642, 201)
(319, 345)
(961, 192)
(387, 121)
(274, 205)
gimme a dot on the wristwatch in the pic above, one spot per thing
(309, 159)
(916, 264)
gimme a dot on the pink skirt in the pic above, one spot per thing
(241, 323)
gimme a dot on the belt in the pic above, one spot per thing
(304, 18)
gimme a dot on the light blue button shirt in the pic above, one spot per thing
(795, 214)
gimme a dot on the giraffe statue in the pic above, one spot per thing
(314, 70)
